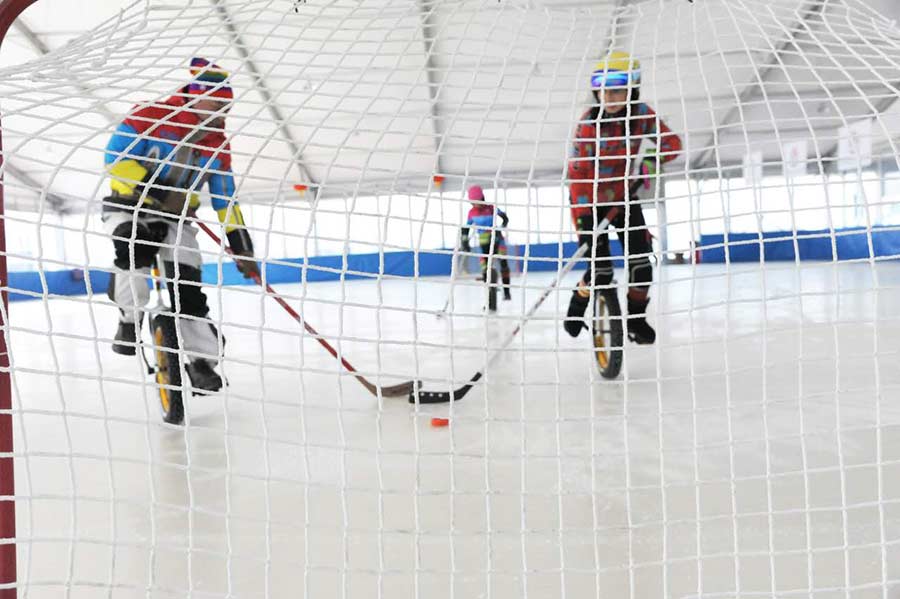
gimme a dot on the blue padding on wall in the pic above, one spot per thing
(546, 256)
(330, 268)
(288, 270)
(59, 282)
(536, 257)
(849, 244)
(743, 247)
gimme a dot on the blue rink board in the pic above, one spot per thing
(843, 244)
(822, 244)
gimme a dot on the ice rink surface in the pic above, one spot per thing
(754, 451)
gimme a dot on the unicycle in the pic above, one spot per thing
(607, 332)
(166, 369)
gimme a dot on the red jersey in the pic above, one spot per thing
(170, 121)
(607, 165)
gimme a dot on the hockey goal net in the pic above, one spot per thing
(752, 451)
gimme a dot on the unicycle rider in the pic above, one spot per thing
(482, 219)
(159, 158)
(607, 138)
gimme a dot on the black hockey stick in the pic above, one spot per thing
(432, 397)
(391, 391)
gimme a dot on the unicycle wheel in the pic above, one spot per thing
(607, 333)
(168, 368)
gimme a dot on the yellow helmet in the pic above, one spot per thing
(618, 69)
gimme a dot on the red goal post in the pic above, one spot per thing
(9, 11)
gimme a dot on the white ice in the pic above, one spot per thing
(754, 451)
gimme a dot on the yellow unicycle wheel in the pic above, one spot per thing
(168, 368)
(607, 333)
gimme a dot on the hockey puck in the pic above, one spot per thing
(440, 422)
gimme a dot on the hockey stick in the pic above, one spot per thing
(459, 262)
(431, 397)
(392, 391)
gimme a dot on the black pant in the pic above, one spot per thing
(497, 254)
(638, 248)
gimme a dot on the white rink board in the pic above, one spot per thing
(739, 457)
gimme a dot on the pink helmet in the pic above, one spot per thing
(476, 193)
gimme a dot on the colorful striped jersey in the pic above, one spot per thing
(150, 135)
(483, 219)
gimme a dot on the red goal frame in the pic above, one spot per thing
(9, 10)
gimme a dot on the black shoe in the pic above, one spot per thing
(125, 341)
(639, 330)
(506, 294)
(203, 377)
(574, 321)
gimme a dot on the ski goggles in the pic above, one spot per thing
(609, 79)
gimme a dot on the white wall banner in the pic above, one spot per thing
(753, 168)
(855, 146)
(795, 157)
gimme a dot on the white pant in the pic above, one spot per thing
(198, 338)
(131, 292)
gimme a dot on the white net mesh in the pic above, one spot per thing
(752, 451)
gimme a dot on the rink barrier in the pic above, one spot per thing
(29, 285)
(849, 244)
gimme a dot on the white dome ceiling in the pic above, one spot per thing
(375, 97)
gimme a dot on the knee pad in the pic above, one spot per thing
(603, 275)
(191, 299)
(640, 271)
(144, 253)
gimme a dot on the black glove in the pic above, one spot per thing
(247, 265)
(574, 321)
(242, 251)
